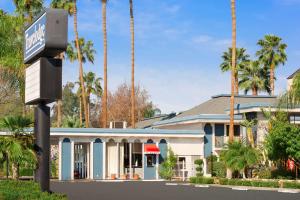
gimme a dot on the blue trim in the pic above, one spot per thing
(196, 117)
(98, 159)
(125, 131)
(66, 159)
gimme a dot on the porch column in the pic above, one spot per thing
(118, 158)
(59, 159)
(204, 167)
(130, 160)
(104, 160)
(91, 165)
(157, 162)
(72, 159)
(143, 159)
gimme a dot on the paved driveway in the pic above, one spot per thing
(159, 191)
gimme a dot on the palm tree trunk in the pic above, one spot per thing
(272, 79)
(236, 81)
(89, 109)
(104, 100)
(15, 171)
(233, 61)
(132, 65)
(80, 66)
(250, 136)
(59, 117)
(80, 111)
(254, 91)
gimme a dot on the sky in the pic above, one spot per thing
(179, 44)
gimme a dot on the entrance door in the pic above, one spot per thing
(80, 161)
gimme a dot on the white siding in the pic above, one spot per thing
(187, 146)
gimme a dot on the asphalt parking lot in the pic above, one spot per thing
(160, 191)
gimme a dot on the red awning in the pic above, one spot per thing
(151, 149)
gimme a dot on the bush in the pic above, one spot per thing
(254, 183)
(219, 169)
(293, 184)
(25, 190)
(199, 168)
(264, 173)
(282, 173)
(201, 180)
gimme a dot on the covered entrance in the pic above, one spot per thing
(81, 160)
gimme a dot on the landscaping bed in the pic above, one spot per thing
(25, 190)
(243, 182)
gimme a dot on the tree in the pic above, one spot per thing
(254, 77)
(199, 168)
(272, 54)
(238, 157)
(71, 7)
(18, 146)
(166, 169)
(71, 122)
(249, 124)
(28, 8)
(233, 71)
(242, 58)
(104, 100)
(93, 86)
(132, 65)
(119, 103)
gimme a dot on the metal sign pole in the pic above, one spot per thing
(42, 144)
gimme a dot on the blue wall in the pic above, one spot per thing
(163, 147)
(66, 159)
(98, 159)
(149, 172)
(207, 140)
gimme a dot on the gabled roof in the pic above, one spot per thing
(146, 123)
(220, 103)
(294, 74)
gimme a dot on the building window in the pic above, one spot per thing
(150, 160)
(237, 131)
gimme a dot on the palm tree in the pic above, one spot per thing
(93, 86)
(132, 65)
(238, 157)
(28, 7)
(104, 100)
(233, 71)
(78, 93)
(18, 146)
(71, 7)
(272, 54)
(249, 124)
(241, 60)
(87, 54)
(254, 77)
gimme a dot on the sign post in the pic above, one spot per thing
(44, 39)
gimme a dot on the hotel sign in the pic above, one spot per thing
(46, 36)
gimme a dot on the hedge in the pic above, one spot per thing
(242, 182)
(25, 190)
(201, 180)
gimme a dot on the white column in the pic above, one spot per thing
(118, 157)
(157, 162)
(143, 160)
(91, 166)
(104, 160)
(204, 167)
(130, 160)
(213, 138)
(59, 159)
(72, 160)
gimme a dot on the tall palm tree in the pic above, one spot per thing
(93, 86)
(71, 7)
(233, 71)
(28, 8)
(249, 124)
(132, 65)
(104, 100)
(87, 54)
(241, 60)
(272, 54)
(78, 93)
(254, 77)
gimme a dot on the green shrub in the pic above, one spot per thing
(219, 169)
(254, 183)
(25, 190)
(264, 173)
(282, 173)
(199, 168)
(201, 180)
(294, 184)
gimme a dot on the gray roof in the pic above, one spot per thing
(294, 74)
(220, 103)
(147, 122)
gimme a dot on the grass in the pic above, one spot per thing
(25, 190)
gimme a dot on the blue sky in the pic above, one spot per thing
(179, 43)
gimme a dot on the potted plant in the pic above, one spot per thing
(113, 176)
(136, 177)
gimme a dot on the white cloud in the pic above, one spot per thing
(210, 42)
(172, 9)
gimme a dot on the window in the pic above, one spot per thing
(237, 130)
(150, 160)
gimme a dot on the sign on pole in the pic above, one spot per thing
(47, 36)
